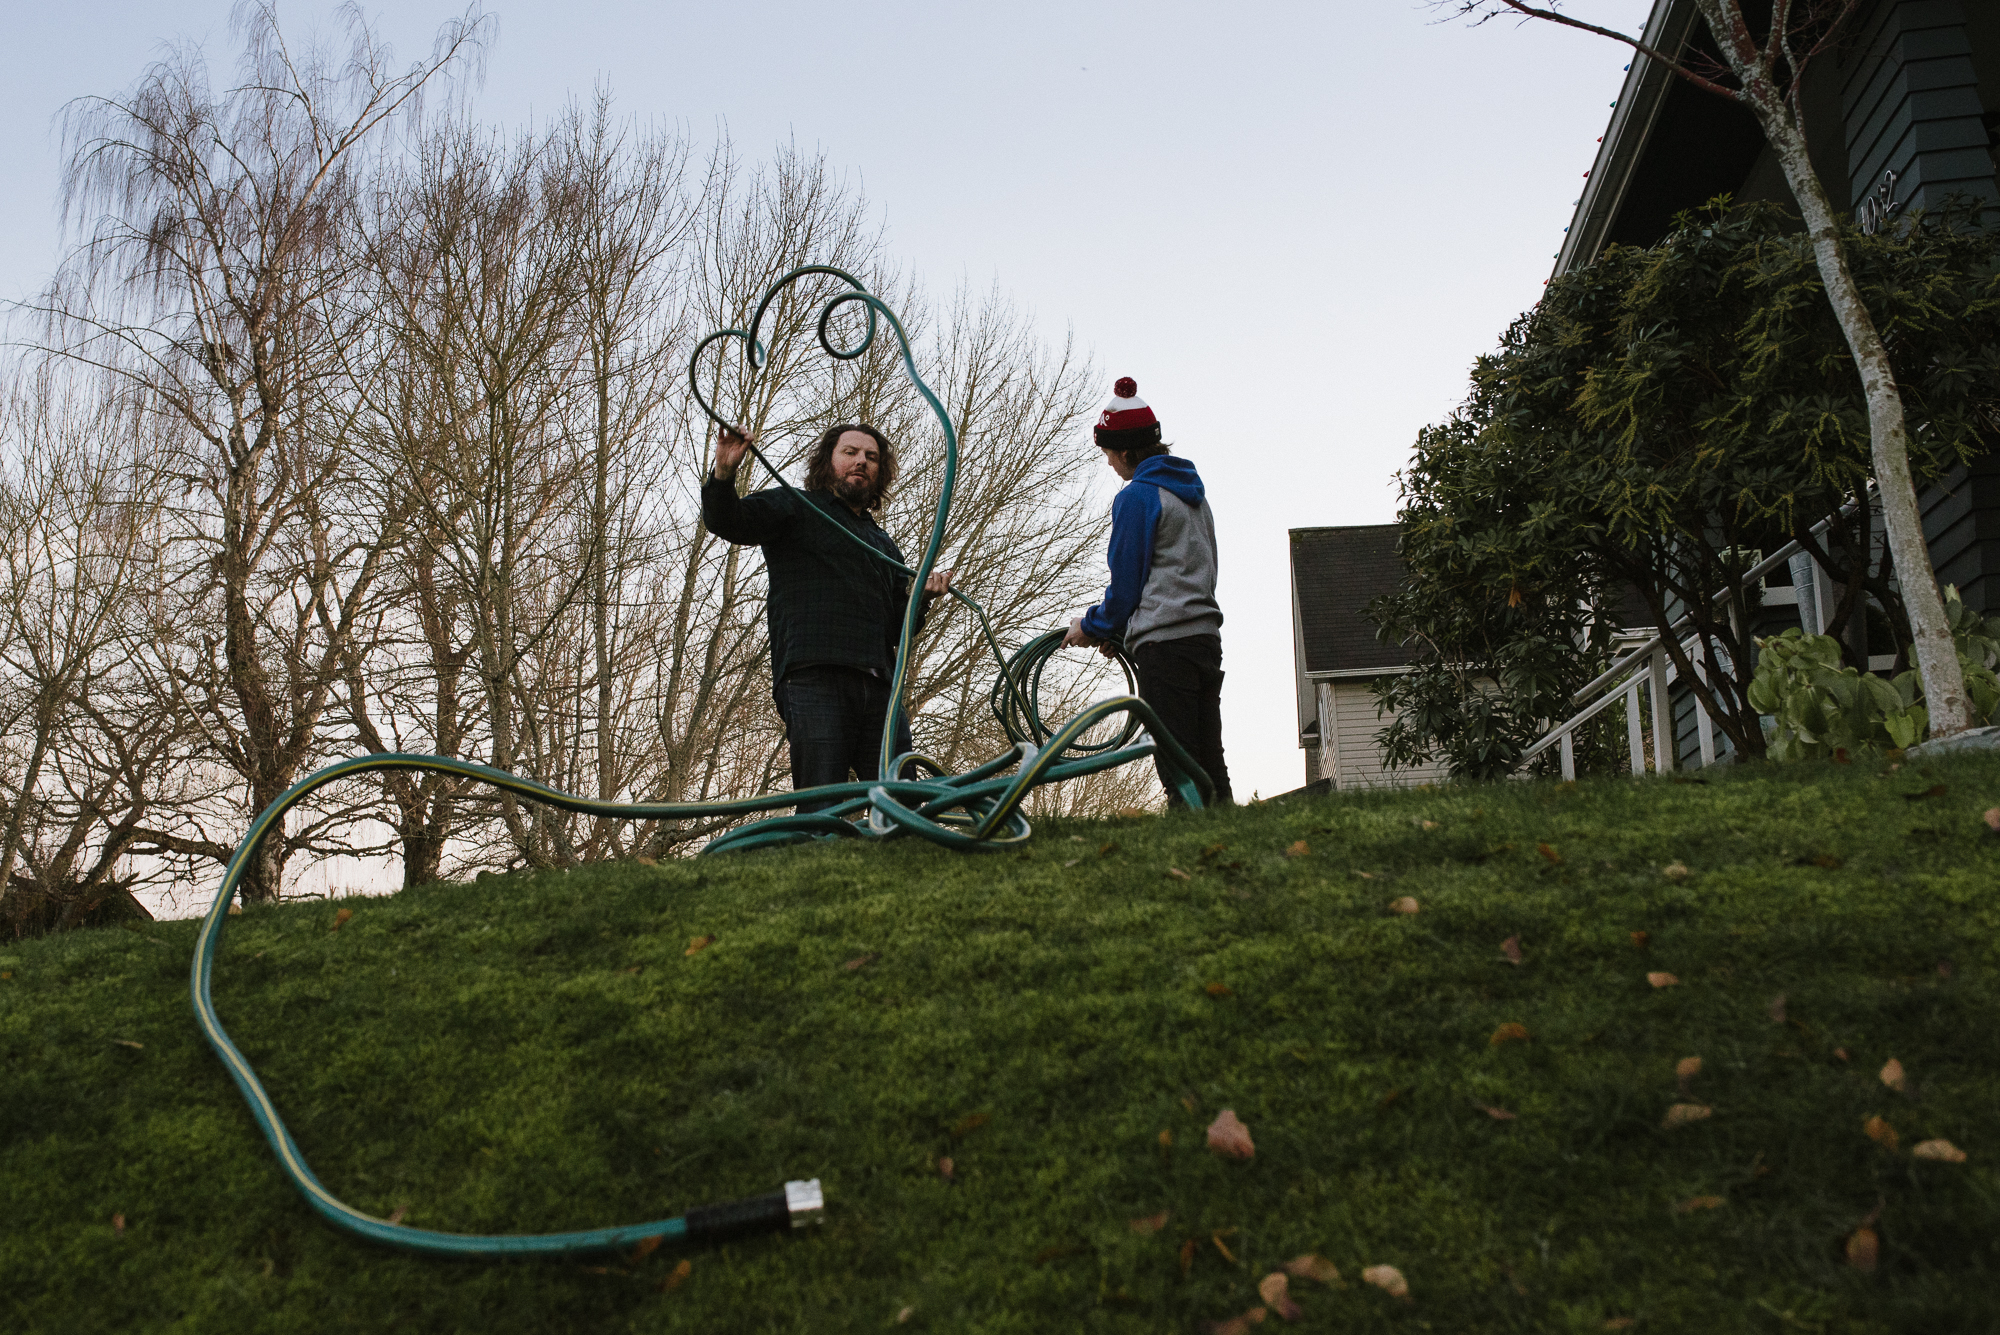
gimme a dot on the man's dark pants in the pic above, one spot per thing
(833, 722)
(1182, 680)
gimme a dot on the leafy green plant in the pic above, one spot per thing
(1816, 706)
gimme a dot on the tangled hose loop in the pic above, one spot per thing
(979, 809)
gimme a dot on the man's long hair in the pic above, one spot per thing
(819, 465)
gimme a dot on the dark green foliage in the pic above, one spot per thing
(486, 1056)
(1657, 421)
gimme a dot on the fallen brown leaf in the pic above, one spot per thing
(1776, 1010)
(1879, 1131)
(1992, 819)
(1548, 852)
(118, 1225)
(1274, 1290)
(1840, 1053)
(1212, 852)
(1106, 850)
(903, 1317)
(1497, 1114)
(1298, 849)
(699, 944)
(1218, 990)
(1675, 871)
(1892, 1075)
(1151, 1224)
(1228, 1137)
(1178, 874)
(130, 1043)
(679, 1275)
(1187, 1255)
(1509, 1032)
(1220, 1246)
(1511, 948)
(1662, 979)
(1237, 1325)
(1620, 1323)
(1935, 790)
(861, 960)
(1166, 1140)
(966, 1125)
(1694, 1203)
(1382, 1105)
(1687, 1068)
(1133, 813)
(1684, 1114)
(642, 1249)
(645, 861)
(340, 919)
(1313, 1266)
(1430, 825)
(1406, 905)
(1863, 1249)
(1642, 939)
(1937, 1151)
(633, 968)
(1388, 1279)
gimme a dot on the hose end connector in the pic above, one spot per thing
(805, 1202)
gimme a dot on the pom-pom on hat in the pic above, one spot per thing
(1126, 412)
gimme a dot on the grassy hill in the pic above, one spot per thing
(1062, 1024)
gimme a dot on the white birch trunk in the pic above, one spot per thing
(1889, 437)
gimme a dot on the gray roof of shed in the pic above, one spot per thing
(1335, 573)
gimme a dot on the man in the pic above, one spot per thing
(1161, 600)
(835, 612)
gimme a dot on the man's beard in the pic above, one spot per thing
(855, 489)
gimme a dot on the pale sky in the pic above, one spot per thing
(1296, 224)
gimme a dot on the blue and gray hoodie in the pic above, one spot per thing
(1162, 559)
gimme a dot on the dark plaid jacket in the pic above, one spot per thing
(829, 601)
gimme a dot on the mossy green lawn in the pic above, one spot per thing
(539, 1052)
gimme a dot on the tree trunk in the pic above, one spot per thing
(1888, 430)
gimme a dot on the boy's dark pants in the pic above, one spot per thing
(1182, 680)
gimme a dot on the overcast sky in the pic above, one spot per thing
(1296, 224)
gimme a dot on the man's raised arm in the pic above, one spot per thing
(754, 519)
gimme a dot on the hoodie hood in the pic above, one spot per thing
(1174, 473)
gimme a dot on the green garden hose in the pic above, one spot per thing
(978, 809)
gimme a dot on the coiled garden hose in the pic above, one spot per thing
(979, 809)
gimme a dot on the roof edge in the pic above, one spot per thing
(1637, 110)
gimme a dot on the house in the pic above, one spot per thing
(1901, 114)
(1336, 658)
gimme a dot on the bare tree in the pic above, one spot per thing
(209, 276)
(90, 746)
(1765, 73)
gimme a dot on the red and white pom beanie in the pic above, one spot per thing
(1126, 421)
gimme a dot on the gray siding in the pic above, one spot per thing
(1962, 528)
(1911, 105)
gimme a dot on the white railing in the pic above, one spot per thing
(1650, 667)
